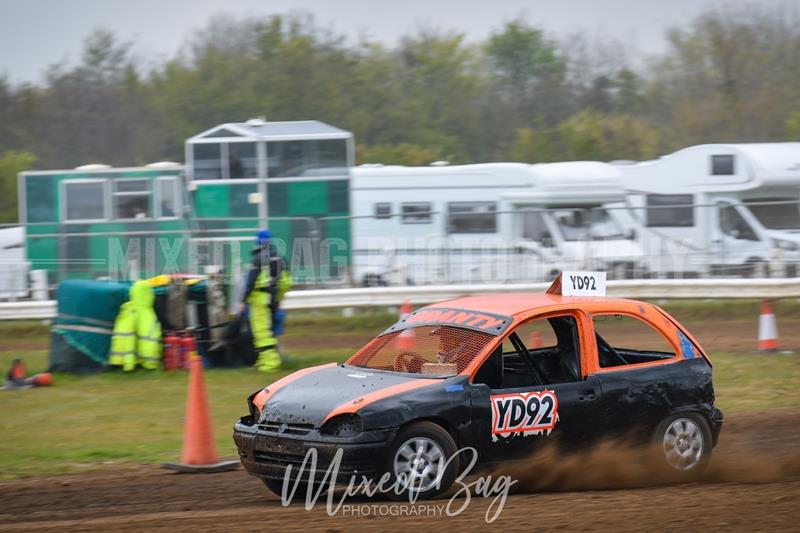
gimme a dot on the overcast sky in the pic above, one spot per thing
(38, 33)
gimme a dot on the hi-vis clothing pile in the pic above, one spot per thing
(136, 339)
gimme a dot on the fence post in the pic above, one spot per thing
(39, 288)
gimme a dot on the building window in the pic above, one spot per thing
(383, 210)
(723, 165)
(332, 157)
(85, 201)
(290, 159)
(131, 199)
(415, 213)
(242, 161)
(40, 199)
(278, 199)
(168, 196)
(670, 211)
(207, 161)
(339, 196)
(472, 217)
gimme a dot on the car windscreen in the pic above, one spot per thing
(429, 349)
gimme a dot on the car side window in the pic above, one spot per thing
(625, 340)
(537, 334)
(540, 351)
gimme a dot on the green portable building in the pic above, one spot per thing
(99, 222)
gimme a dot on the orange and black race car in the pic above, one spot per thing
(500, 374)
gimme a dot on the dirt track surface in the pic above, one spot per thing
(752, 484)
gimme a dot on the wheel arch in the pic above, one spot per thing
(439, 421)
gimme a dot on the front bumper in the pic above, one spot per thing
(266, 453)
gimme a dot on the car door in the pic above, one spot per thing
(639, 373)
(539, 394)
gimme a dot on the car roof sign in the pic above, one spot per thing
(579, 283)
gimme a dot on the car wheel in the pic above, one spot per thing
(419, 461)
(684, 444)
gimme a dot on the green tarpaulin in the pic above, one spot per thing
(81, 334)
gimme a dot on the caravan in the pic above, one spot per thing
(489, 222)
(717, 209)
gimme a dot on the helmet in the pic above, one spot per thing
(263, 236)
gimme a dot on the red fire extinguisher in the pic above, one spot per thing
(172, 351)
(188, 349)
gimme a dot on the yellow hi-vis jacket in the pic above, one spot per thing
(136, 338)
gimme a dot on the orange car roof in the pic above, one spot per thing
(511, 304)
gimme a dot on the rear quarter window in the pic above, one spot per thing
(623, 340)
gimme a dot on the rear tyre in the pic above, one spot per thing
(419, 461)
(683, 443)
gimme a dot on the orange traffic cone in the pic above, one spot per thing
(536, 340)
(406, 339)
(45, 379)
(405, 309)
(199, 451)
(767, 329)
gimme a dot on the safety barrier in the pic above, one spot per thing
(420, 295)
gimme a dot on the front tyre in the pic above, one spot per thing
(420, 461)
(684, 444)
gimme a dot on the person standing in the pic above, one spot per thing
(267, 282)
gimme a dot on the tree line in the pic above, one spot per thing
(729, 75)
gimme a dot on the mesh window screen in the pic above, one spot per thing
(423, 350)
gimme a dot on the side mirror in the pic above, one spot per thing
(547, 242)
(735, 233)
(632, 234)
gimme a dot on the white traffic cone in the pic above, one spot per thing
(767, 329)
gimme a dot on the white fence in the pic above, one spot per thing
(420, 295)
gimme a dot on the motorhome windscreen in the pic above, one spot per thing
(773, 215)
(602, 226)
(428, 349)
(580, 224)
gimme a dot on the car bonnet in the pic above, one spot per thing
(321, 392)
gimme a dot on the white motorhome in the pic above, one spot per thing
(488, 222)
(717, 208)
(14, 268)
